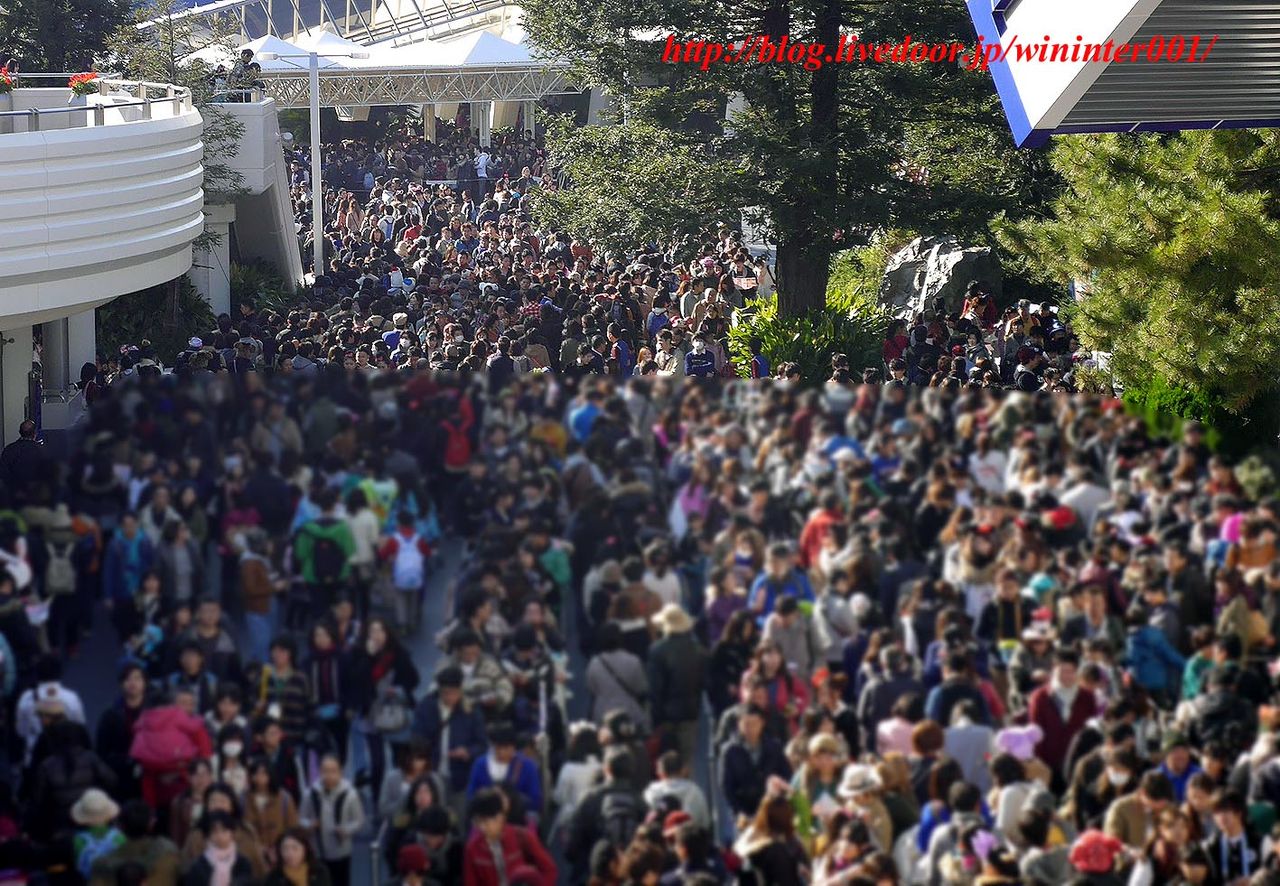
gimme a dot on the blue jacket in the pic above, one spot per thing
(1154, 663)
(522, 775)
(466, 730)
(700, 365)
(119, 580)
(769, 589)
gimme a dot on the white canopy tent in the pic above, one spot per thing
(221, 55)
(480, 68)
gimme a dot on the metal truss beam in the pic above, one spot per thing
(355, 88)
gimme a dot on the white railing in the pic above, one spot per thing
(142, 90)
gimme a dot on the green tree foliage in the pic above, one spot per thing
(1176, 237)
(58, 35)
(166, 315)
(831, 156)
(630, 184)
(852, 323)
(261, 284)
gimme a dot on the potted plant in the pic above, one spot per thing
(84, 84)
(7, 81)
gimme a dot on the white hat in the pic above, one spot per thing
(195, 343)
(94, 808)
(673, 620)
(858, 779)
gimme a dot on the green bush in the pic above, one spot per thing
(853, 324)
(1164, 408)
(261, 284)
(166, 315)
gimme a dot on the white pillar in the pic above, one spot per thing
(82, 341)
(211, 268)
(600, 107)
(15, 366)
(429, 122)
(530, 116)
(482, 120)
(55, 359)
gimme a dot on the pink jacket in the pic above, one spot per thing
(169, 738)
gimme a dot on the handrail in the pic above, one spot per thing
(180, 96)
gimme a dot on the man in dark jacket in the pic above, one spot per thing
(748, 762)
(957, 685)
(600, 809)
(1235, 854)
(446, 714)
(1222, 714)
(24, 460)
(677, 674)
(883, 691)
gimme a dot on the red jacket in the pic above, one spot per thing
(525, 859)
(1043, 710)
(814, 534)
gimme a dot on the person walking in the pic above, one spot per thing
(333, 812)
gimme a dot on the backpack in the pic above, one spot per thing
(327, 560)
(457, 447)
(60, 573)
(96, 848)
(409, 569)
(620, 817)
(339, 803)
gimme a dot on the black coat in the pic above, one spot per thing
(113, 740)
(729, 661)
(201, 873)
(743, 780)
(677, 675)
(362, 686)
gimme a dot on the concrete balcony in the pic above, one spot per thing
(95, 201)
(99, 196)
(261, 219)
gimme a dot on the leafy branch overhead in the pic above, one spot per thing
(633, 183)
(162, 53)
(823, 158)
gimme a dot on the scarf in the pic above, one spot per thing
(297, 876)
(222, 860)
(1066, 697)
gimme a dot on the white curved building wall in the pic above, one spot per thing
(87, 213)
(91, 213)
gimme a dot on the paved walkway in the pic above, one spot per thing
(92, 673)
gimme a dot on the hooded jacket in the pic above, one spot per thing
(324, 528)
(334, 816)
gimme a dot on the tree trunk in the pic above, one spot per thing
(802, 276)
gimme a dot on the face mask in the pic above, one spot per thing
(232, 748)
(1117, 777)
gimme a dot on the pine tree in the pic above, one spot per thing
(1176, 238)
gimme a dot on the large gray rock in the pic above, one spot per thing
(931, 267)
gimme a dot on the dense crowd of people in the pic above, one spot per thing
(938, 635)
(944, 624)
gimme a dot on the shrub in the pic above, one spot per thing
(261, 284)
(853, 324)
(1165, 408)
(166, 315)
